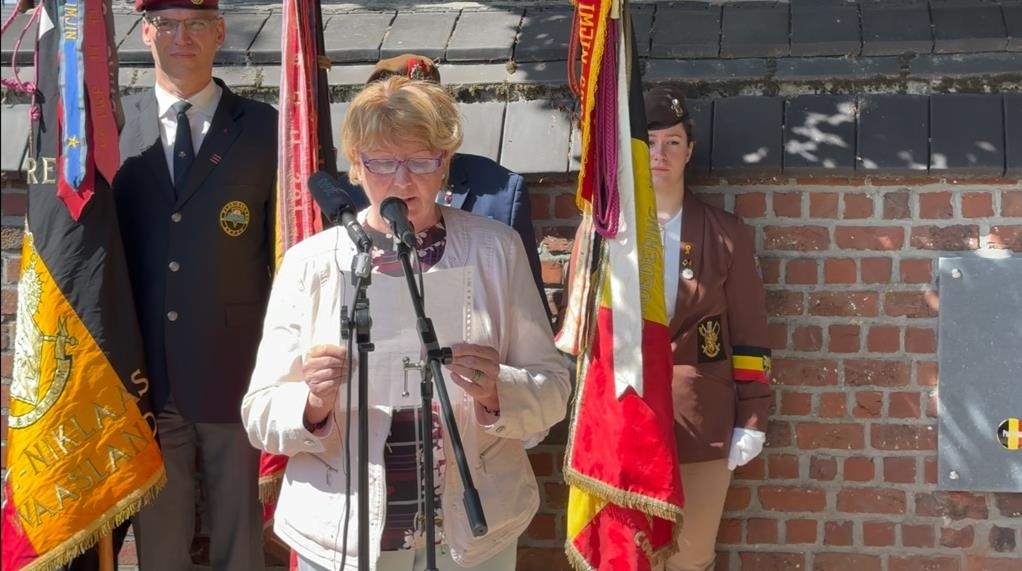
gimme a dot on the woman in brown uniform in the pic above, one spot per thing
(718, 328)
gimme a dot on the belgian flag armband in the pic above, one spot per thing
(751, 364)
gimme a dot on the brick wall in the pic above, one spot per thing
(848, 477)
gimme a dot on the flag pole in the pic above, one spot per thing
(105, 548)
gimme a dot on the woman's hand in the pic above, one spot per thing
(325, 369)
(475, 369)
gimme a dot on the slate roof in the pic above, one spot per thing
(810, 87)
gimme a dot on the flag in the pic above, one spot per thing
(625, 497)
(305, 147)
(82, 454)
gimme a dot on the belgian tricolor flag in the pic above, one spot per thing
(82, 454)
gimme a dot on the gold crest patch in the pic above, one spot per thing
(710, 342)
(234, 218)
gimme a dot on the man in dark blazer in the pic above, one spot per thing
(475, 184)
(195, 200)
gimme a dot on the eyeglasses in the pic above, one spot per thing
(414, 166)
(168, 26)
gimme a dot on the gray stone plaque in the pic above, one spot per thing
(979, 449)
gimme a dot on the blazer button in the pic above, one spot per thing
(174, 266)
(175, 217)
(172, 315)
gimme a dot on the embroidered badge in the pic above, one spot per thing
(234, 218)
(710, 348)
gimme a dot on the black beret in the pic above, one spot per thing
(665, 107)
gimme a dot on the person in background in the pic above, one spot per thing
(718, 326)
(474, 184)
(195, 201)
(508, 384)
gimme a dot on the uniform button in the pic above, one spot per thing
(500, 429)
(172, 315)
(174, 266)
(175, 217)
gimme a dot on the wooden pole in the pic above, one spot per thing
(105, 549)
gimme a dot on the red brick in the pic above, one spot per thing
(542, 463)
(916, 535)
(903, 405)
(916, 271)
(770, 267)
(762, 560)
(14, 204)
(926, 374)
(859, 469)
(804, 372)
(984, 563)
(729, 532)
(877, 534)
(950, 238)
(930, 404)
(838, 532)
(977, 204)
(788, 204)
(923, 563)
(911, 304)
(795, 403)
(1011, 203)
(845, 303)
(868, 404)
(542, 527)
(778, 435)
(542, 559)
(869, 372)
(1002, 539)
(857, 206)
(871, 500)
(750, 204)
(899, 470)
(783, 467)
(760, 530)
(792, 499)
(539, 206)
(756, 468)
(823, 204)
(823, 468)
(565, 207)
(777, 333)
(875, 270)
(839, 436)
(930, 471)
(839, 271)
(8, 300)
(869, 237)
(738, 498)
(780, 303)
(833, 405)
(1006, 236)
(936, 205)
(846, 562)
(957, 538)
(844, 338)
(903, 437)
(800, 272)
(796, 238)
(883, 339)
(12, 270)
(552, 272)
(1009, 505)
(896, 206)
(799, 531)
(555, 495)
(953, 505)
(807, 338)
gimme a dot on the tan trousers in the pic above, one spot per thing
(705, 485)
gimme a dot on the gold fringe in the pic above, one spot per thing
(83, 540)
(269, 487)
(575, 558)
(645, 504)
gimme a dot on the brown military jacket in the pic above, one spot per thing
(718, 333)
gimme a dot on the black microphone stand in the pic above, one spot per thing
(435, 355)
(362, 322)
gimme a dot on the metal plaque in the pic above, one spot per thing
(980, 396)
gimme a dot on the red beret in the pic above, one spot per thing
(409, 65)
(153, 5)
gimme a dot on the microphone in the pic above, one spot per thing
(338, 207)
(395, 211)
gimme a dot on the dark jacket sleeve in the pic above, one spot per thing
(521, 221)
(747, 328)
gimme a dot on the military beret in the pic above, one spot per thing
(154, 5)
(411, 66)
(665, 107)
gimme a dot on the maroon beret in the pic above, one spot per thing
(411, 66)
(665, 107)
(153, 5)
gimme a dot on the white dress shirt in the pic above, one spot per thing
(200, 117)
(670, 237)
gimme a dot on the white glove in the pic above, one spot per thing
(745, 445)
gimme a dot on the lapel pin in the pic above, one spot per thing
(215, 159)
(688, 274)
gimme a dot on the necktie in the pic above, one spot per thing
(184, 153)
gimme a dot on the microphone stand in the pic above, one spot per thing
(362, 322)
(435, 355)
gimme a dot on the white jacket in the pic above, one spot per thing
(305, 310)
